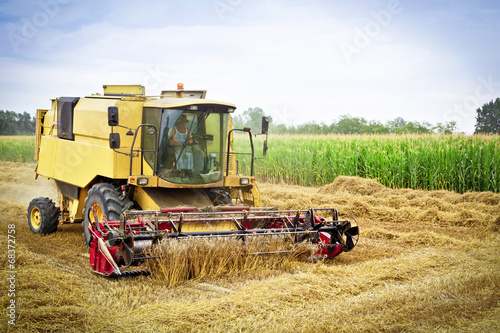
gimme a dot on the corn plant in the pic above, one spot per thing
(430, 162)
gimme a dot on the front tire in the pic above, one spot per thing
(102, 200)
(43, 216)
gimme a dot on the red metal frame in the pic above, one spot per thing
(157, 224)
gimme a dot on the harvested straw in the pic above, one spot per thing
(367, 199)
(417, 268)
(207, 258)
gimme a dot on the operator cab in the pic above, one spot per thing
(191, 142)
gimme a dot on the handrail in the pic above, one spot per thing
(246, 129)
(142, 151)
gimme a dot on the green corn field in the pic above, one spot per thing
(17, 149)
(431, 162)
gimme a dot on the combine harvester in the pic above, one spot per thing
(135, 169)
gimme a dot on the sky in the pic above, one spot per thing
(300, 61)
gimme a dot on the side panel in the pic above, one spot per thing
(40, 114)
(87, 156)
(75, 163)
(78, 163)
(91, 121)
(47, 154)
(48, 142)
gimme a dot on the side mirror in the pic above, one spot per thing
(265, 125)
(266, 148)
(112, 116)
(114, 140)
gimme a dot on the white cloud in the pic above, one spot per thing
(282, 57)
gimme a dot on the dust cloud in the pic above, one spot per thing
(18, 184)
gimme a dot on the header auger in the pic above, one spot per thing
(136, 169)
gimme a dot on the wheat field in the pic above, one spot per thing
(427, 261)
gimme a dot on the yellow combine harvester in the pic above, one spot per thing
(135, 169)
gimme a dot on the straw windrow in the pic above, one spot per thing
(208, 258)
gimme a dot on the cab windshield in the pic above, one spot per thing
(191, 144)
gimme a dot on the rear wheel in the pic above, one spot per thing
(102, 200)
(43, 216)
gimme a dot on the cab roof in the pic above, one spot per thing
(172, 102)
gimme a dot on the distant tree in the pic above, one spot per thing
(397, 125)
(345, 125)
(488, 118)
(376, 127)
(238, 121)
(416, 127)
(350, 125)
(446, 128)
(12, 123)
(27, 123)
(252, 117)
(310, 128)
(279, 129)
(427, 126)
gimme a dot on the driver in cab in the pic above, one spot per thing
(179, 133)
(186, 158)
